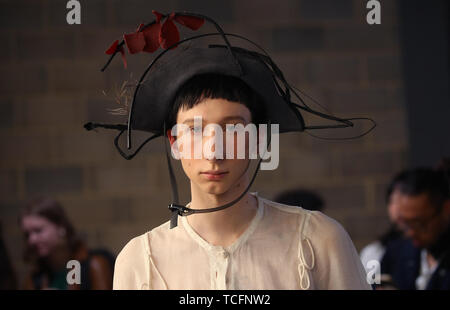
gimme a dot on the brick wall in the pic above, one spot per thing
(51, 85)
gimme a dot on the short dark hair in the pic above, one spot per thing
(215, 86)
(421, 180)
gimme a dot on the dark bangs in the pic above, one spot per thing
(216, 86)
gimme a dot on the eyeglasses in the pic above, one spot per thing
(418, 225)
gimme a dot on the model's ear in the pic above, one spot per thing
(170, 137)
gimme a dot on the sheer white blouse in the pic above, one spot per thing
(284, 247)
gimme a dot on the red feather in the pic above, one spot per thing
(191, 22)
(151, 36)
(158, 16)
(111, 50)
(155, 35)
(169, 34)
(135, 42)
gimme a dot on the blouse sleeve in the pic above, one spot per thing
(131, 271)
(338, 266)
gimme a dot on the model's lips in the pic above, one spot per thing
(214, 175)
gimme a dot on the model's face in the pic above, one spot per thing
(41, 234)
(214, 176)
(421, 221)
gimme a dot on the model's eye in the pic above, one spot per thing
(196, 129)
(234, 127)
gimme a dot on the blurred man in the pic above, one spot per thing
(375, 250)
(421, 202)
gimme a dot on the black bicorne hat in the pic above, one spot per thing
(152, 99)
(156, 90)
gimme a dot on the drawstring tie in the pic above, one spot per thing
(303, 267)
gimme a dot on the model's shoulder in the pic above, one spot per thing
(314, 221)
(141, 242)
(320, 226)
(273, 206)
(135, 247)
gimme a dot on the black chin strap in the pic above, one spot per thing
(178, 209)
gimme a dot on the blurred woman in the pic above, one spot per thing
(51, 241)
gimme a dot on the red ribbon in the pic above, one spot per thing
(155, 35)
(112, 49)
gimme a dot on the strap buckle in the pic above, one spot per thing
(181, 210)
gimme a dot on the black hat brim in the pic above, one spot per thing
(155, 95)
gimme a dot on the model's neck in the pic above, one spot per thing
(225, 226)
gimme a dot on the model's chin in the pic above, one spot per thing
(215, 188)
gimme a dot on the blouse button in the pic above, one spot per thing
(225, 254)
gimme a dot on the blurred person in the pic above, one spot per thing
(8, 279)
(421, 202)
(226, 237)
(51, 241)
(303, 198)
(375, 250)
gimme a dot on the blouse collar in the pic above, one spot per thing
(238, 242)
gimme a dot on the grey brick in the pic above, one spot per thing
(92, 43)
(77, 76)
(295, 164)
(342, 197)
(27, 147)
(7, 50)
(380, 194)
(384, 68)
(21, 14)
(119, 178)
(366, 99)
(361, 38)
(53, 180)
(366, 227)
(297, 38)
(44, 46)
(6, 113)
(220, 11)
(391, 130)
(131, 13)
(61, 111)
(23, 78)
(100, 210)
(81, 146)
(334, 70)
(369, 162)
(326, 9)
(8, 183)
(266, 12)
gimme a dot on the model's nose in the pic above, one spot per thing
(213, 147)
